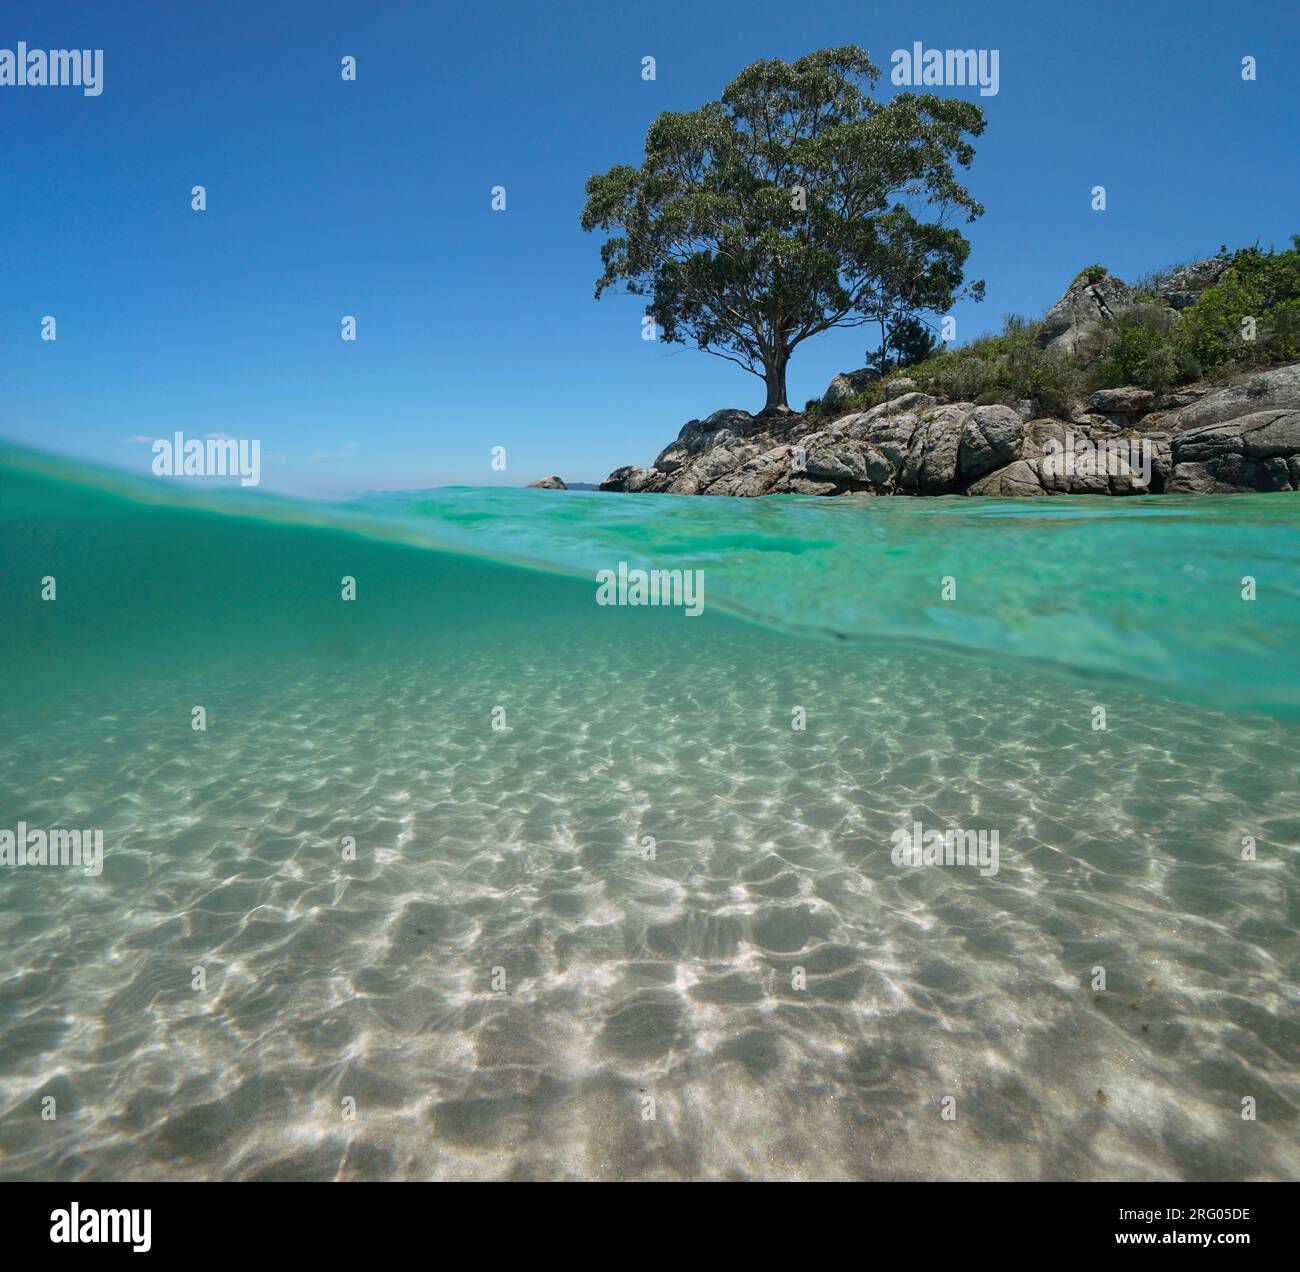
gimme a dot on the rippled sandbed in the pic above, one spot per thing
(520, 853)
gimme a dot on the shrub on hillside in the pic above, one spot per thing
(1260, 286)
(871, 396)
(1146, 290)
(1004, 368)
(1093, 273)
(1136, 347)
(1148, 345)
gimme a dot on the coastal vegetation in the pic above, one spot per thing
(1237, 312)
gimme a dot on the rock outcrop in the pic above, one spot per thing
(1121, 406)
(1085, 304)
(847, 383)
(1253, 452)
(1184, 287)
(1242, 436)
(1274, 390)
(547, 483)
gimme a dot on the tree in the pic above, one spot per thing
(793, 205)
(908, 339)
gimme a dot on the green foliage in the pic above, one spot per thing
(1137, 348)
(794, 204)
(1258, 285)
(871, 396)
(1004, 368)
(1093, 273)
(908, 339)
(1148, 345)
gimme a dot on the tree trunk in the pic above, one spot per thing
(774, 376)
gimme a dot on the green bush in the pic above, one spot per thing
(1263, 286)
(1136, 347)
(1004, 368)
(1093, 273)
(1147, 345)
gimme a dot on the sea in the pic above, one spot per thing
(944, 839)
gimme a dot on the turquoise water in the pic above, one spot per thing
(502, 978)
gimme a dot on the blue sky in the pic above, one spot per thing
(478, 329)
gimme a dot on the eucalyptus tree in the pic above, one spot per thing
(795, 204)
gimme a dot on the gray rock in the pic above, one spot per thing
(1162, 460)
(850, 462)
(707, 469)
(897, 388)
(632, 479)
(913, 445)
(1126, 404)
(843, 461)
(1176, 401)
(883, 424)
(1252, 452)
(697, 436)
(1261, 435)
(931, 464)
(992, 438)
(1278, 389)
(848, 384)
(1127, 474)
(1038, 433)
(1060, 477)
(1229, 474)
(1083, 306)
(1015, 481)
(547, 483)
(909, 401)
(1184, 287)
(764, 474)
(1098, 460)
(810, 486)
(889, 436)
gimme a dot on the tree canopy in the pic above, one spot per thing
(795, 204)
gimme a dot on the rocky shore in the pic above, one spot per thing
(1220, 436)
(1242, 436)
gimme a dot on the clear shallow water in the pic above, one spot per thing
(478, 849)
